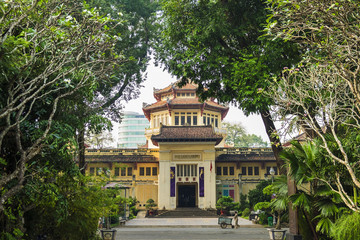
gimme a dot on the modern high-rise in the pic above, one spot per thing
(132, 130)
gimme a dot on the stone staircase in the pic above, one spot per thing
(187, 213)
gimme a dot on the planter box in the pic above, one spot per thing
(108, 234)
(276, 234)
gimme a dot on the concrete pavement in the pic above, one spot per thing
(184, 222)
(188, 228)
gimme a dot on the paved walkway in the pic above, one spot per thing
(184, 222)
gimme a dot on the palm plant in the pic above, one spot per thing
(318, 205)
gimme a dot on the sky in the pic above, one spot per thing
(157, 78)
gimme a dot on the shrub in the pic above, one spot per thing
(243, 203)
(150, 204)
(226, 203)
(256, 195)
(246, 212)
(347, 227)
(263, 218)
(262, 206)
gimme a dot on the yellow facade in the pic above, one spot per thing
(144, 178)
(185, 162)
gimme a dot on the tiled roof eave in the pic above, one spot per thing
(188, 139)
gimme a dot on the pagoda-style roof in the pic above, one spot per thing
(186, 134)
(175, 88)
(181, 102)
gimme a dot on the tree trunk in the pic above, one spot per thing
(81, 142)
(274, 139)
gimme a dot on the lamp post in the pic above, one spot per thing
(272, 173)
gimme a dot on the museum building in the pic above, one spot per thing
(185, 162)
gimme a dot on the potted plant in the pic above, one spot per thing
(150, 205)
(278, 204)
(225, 204)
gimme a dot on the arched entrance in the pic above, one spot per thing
(187, 195)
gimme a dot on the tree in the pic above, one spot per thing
(56, 58)
(219, 46)
(330, 69)
(237, 137)
(135, 36)
(329, 33)
(99, 140)
(323, 102)
(50, 52)
(234, 132)
(256, 195)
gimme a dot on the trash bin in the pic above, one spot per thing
(270, 221)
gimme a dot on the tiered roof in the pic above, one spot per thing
(180, 102)
(186, 134)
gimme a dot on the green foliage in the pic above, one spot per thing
(74, 62)
(320, 207)
(263, 218)
(246, 212)
(256, 195)
(237, 137)
(262, 206)
(150, 204)
(218, 45)
(243, 202)
(131, 202)
(347, 227)
(226, 203)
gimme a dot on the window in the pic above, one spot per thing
(204, 120)
(216, 122)
(276, 172)
(176, 120)
(250, 171)
(178, 94)
(231, 170)
(188, 94)
(129, 171)
(192, 94)
(188, 119)
(183, 119)
(142, 171)
(154, 171)
(148, 171)
(218, 171)
(186, 170)
(183, 94)
(117, 172)
(194, 120)
(243, 171)
(123, 172)
(225, 171)
(92, 171)
(256, 171)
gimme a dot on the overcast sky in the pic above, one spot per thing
(157, 78)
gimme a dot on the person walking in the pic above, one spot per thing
(236, 224)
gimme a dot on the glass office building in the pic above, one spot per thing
(132, 130)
